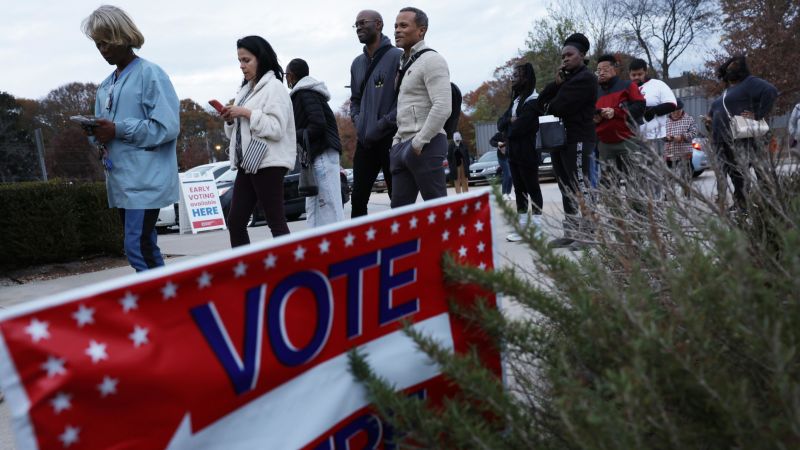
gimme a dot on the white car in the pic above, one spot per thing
(168, 216)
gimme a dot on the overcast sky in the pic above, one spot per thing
(42, 47)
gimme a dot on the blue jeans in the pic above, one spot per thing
(506, 181)
(594, 168)
(326, 207)
(139, 228)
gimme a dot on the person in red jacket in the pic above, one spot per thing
(619, 110)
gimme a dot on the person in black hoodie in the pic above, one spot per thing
(572, 98)
(313, 117)
(519, 124)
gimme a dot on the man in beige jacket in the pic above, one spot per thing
(424, 103)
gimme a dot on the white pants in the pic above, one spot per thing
(326, 207)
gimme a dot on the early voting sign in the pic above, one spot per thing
(200, 209)
(247, 348)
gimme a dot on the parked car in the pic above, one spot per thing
(380, 183)
(168, 216)
(699, 157)
(485, 169)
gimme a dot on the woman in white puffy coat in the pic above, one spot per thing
(262, 110)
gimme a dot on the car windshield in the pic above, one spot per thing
(488, 157)
(228, 176)
(218, 169)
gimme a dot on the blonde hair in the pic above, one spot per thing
(113, 26)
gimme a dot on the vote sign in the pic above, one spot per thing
(247, 348)
(199, 205)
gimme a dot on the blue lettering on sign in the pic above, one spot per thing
(210, 211)
(387, 310)
(284, 350)
(354, 269)
(243, 372)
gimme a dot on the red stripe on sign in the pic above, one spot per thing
(207, 223)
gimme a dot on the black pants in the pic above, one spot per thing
(738, 168)
(264, 187)
(571, 165)
(367, 162)
(419, 174)
(525, 178)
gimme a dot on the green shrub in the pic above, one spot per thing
(56, 221)
(680, 329)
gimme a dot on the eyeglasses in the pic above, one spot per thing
(362, 23)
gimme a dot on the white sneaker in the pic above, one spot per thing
(537, 222)
(514, 237)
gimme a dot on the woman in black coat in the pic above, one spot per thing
(519, 125)
(314, 121)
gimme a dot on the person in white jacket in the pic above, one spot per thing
(794, 126)
(262, 109)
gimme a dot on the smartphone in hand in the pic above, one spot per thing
(85, 121)
(217, 105)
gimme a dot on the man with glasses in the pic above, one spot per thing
(372, 107)
(619, 110)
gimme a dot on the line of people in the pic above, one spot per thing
(400, 102)
(629, 125)
(401, 99)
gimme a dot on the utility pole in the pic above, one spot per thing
(40, 149)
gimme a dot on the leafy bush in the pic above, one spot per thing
(54, 222)
(678, 329)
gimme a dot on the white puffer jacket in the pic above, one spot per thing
(271, 119)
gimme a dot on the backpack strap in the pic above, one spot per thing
(404, 69)
(375, 60)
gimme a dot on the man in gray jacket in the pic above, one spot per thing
(424, 103)
(372, 107)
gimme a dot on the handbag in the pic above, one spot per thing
(552, 135)
(743, 127)
(307, 185)
(255, 153)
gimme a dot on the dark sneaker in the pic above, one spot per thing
(561, 242)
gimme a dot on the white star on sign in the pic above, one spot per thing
(269, 261)
(69, 436)
(61, 402)
(448, 214)
(465, 209)
(432, 217)
(204, 280)
(299, 253)
(83, 316)
(108, 386)
(479, 226)
(38, 330)
(240, 270)
(139, 336)
(371, 234)
(54, 366)
(96, 351)
(462, 230)
(395, 227)
(462, 251)
(324, 246)
(445, 235)
(129, 302)
(348, 240)
(482, 266)
(481, 247)
(170, 290)
(413, 223)
(478, 205)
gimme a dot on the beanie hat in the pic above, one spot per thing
(578, 41)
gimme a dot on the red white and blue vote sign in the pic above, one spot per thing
(247, 348)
